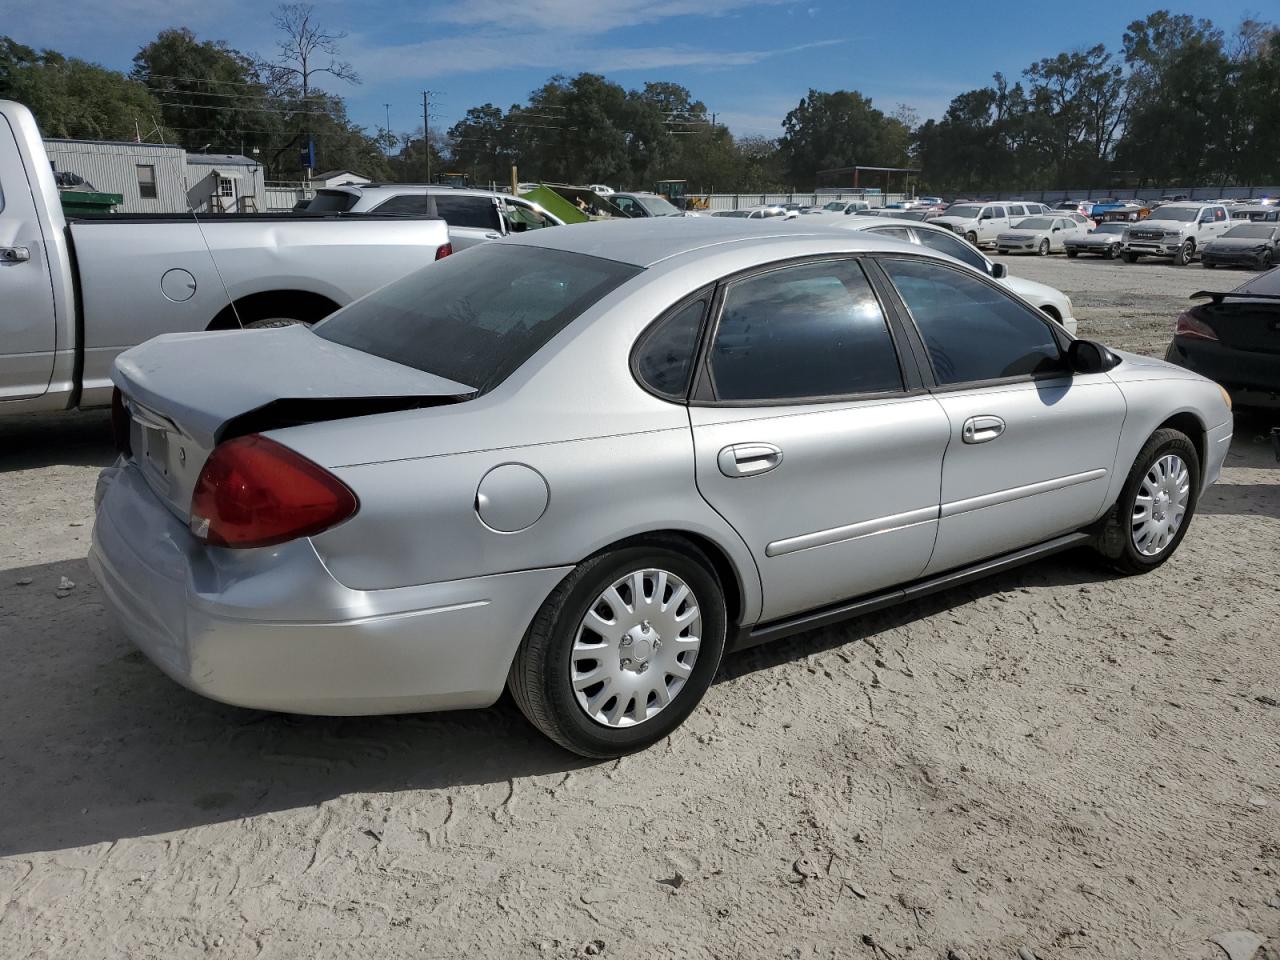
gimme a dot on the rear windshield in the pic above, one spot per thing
(477, 316)
(1267, 285)
(331, 201)
(1110, 228)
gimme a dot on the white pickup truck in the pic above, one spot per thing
(74, 294)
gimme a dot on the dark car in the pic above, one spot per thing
(1252, 245)
(1234, 338)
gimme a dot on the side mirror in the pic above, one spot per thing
(1089, 356)
(999, 271)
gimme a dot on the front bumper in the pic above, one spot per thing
(1241, 259)
(1252, 379)
(272, 629)
(1153, 248)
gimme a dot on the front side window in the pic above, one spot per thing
(953, 246)
(664, 356)
(997, 212)
(146, 181)
(474, 319)
(521, 217)
(813, 330)
(972, 330)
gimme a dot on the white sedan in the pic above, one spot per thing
(1040, 235)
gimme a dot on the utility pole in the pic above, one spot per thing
(426, 130)
(387, 149)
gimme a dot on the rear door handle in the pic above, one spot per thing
(748, 459)
(14, 254)
(493, 236)
(981, 429)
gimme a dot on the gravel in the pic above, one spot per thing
(1089, 748)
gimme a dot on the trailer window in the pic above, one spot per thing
(146, 181)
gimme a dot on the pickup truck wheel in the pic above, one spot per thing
(1131, 258)
(267, 322)
(1155, 506)
(972, 237)
(622, 650)
(1184, 254)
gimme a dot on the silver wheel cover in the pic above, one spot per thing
(1161, 505)
(635, 648)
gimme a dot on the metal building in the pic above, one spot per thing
(225, 183)
(150, 176)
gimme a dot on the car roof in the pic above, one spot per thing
(646, 242)
(411, 189)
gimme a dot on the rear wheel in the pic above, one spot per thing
(1155, 506)
(1043, 249)
(268, 322)
(1072, 253)
(623, 650)
(1184, 254)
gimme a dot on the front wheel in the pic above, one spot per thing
(972, 238)
(1184, 254)
(623, 650)
(1264, 261)
(1207, 265)
(1043, 249)
(1113, 251)
(1130, 257)
(1072, 254)
(1155, 507)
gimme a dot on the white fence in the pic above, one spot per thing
(1147, 193)
(741, 201)
(281, 197)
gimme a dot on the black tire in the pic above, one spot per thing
(539, 679)
(1113, 251)
(269, 322)
(972, 238)
(1207, 265)
(1072, 254)
(1130, 257)
(1043, 249)
(1184, 254)
(1264, 261)
(1114, 536)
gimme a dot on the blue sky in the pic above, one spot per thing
(750, 61)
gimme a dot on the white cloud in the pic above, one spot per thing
(565, 17)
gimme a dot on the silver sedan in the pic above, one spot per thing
(584, 464)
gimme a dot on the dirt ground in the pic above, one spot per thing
(1055, 760)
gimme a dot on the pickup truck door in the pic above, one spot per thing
(27, 319)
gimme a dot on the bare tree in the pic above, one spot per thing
(306, 49)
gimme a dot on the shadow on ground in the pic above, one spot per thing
(48, 439)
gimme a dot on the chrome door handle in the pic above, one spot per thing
(493, 236)
(15, 254)
(981, 429)
(748, 459)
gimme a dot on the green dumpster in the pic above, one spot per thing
(79, 203)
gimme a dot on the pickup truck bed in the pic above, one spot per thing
(76, 293)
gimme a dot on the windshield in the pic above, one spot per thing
(834, 205)
(1034, 223)
(1251, 231)
(331, 201)
(1068, 206)
(732, 213)
(1181, 214)
(964, 212)
(476, 317)
(657, 206)
(1110, 228)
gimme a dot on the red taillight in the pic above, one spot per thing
(1193, 328)
(254, 492)
(121, 423)
(444, 251)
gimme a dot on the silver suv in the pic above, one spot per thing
(473, 216)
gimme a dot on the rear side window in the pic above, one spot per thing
(972, 330)
(897, 233)
(813, 330)
(405, 205)
(480, 212)
(664, 356)
(477, 316)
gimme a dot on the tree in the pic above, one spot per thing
(75, 98)
(839, 129)
(306, 49)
